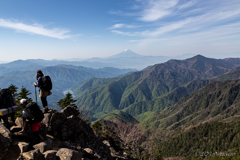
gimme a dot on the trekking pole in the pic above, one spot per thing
(36, 94)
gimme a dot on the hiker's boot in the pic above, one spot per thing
(46, 109)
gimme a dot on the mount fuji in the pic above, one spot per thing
(126, 53)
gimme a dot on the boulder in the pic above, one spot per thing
(106, 143)
(13, 152)
(89, 153)
(56, 120)
(19, 121)
(46, 119)
(69, 111)
(43, 130)
(50, 155)
(14, 129)
(68, 128)
(5, 140)
(33, 155)
(86, 138)
(68, 154)
(23, 146)
(43, 147)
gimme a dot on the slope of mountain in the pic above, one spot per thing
(217, 101)
(118, 116)
(152, 83)
(210, 139)
(165, 100)
(172, 97)
(78, 89)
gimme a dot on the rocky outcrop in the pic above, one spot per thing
(5, 140)
(69, 154)
(64, 136)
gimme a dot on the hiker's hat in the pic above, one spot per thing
(39, 71)
(22, 101)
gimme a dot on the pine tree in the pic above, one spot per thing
(68, 100)
(13, 90)
(24, 93)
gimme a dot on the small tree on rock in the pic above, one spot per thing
(24, 93)
(68, 100)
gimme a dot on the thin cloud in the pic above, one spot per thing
(37, 29)
(121, 25)
(126, 33)
(222, 34)
(157, 32)
(187, 5)
(156, 9)
(205, 19)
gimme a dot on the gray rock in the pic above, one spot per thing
(68, 128)
(89, 151)
(33, 155)
(46, 119)
(13, 152)
(23, 146)
(86, 138)
(69, 110)
(56, 120)
(97, 156)
(50, 155)
(68, 154)
(107, 143)
(19, 121)
(5, 140)
(41, 146)
(14, 129)
(43, 130)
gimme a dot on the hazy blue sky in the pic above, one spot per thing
(63, 29)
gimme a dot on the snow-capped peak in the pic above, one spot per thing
(126, 53)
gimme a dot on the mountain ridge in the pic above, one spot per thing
(152, 83)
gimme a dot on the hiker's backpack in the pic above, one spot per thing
(47, 83)
(6, 99)
(36, 113)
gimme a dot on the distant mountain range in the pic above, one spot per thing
(130, 59)
(22, 73)
(126, 59)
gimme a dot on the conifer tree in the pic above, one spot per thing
(13, 90)
(24, 93)
(68, 100)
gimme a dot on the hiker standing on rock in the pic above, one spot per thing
(34, 115)
(45, 85)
